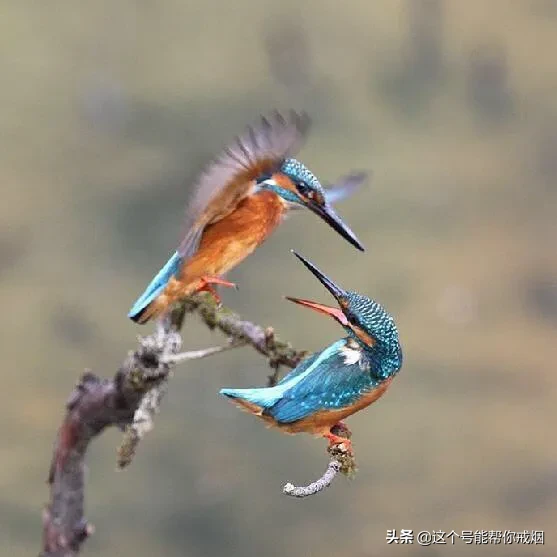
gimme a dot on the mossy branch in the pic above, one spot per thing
(130, 401)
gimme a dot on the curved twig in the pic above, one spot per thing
(318, 485)
(342, 460)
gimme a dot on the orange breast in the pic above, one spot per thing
(227, 242)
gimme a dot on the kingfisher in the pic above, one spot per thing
(238, 200)
(342, 379)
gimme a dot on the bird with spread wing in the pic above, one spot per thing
(238, 200)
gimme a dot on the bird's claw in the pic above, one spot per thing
(206, 285)
(337, 440)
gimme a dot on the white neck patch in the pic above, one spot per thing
(352, 354)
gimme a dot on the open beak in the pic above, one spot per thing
(328, 214)
(336, 313)
(337, 292)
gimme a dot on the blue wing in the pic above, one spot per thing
(300, 368)
(156, 286)
(324, 381)
(345, 187)
(268, 396)
(330, 385)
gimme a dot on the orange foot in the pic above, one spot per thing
(337, 440)
(205, 285)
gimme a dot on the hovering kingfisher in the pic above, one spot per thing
(340, 380)
(240, 198)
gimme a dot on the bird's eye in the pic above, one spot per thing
(309, 193)
(303, 189)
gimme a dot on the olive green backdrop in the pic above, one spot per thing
(109, 109)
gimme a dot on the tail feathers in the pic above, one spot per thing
(262, 397)
(153, 310)
(147, 305)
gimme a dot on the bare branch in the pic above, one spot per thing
(264, 340)
(342, 460)
(316, 486)
(130, 400)
(198, 354)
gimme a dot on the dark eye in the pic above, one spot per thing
(303, 189)
(309, 193)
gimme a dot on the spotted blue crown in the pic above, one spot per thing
(300, 173)
(375, 320)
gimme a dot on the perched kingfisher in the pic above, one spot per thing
(240, 198)
(340, 380)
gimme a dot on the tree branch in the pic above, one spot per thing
(264, 340)
(316, 486)
(342, 460)
(130, 400)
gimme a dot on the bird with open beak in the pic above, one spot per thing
(342, 379)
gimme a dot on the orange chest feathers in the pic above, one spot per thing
(227, 242)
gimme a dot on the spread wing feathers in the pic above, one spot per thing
(344, 187)
(331, 385)
(230, 177)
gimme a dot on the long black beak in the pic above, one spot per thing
(328, 214)
(335, 290)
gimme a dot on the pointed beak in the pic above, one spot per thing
(336, 313)
(328, 214)
(335, 290)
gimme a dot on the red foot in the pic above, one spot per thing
(205, 285)
(337, 440)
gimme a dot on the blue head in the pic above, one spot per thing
(364, 319)
(297, 185)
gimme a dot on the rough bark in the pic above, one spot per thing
(130, 400)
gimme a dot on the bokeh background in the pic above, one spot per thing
(108, 111)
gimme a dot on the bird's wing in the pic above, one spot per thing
(299, 369)
(336, 381)
(344, 187)
(230, 177)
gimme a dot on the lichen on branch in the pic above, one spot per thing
(130, 400)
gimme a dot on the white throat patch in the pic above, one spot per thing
(352, 354)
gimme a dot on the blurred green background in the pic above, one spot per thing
(108, 111)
